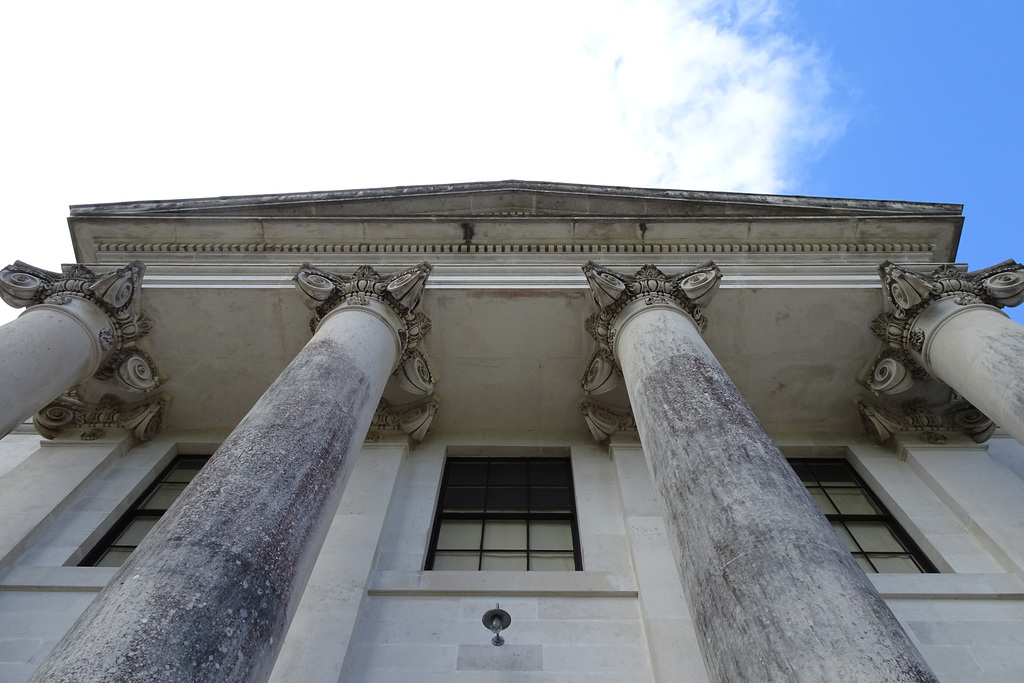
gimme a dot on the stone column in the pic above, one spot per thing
(209, 593)
(947, 326)
(774, 594)
(77, 323)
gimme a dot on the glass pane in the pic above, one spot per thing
(833, 474)
(550, 473)
(185, 469)
(456, 561)
(459, 535)
(507, 499)
(853, 501)
(550, 536)
(549, 499)
(505, 535)
(822, 500)
(162, 497)
(504, 561)
(507, 474)
(136, 531)
(864, 564)
(552, 562)
(845, 536)
(467, 473)
(895, 564)
(465, 499)
(804, 473)
(875, 537)
(114, 557)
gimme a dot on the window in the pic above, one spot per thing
(507, 514)
(117, 545)
(874, 538)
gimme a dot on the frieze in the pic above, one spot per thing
(69, 412)
(536, 248)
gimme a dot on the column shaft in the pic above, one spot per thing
(45, 352)
(210, 591)
(774, 594)
(978, 352)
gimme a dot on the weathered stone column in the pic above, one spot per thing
(774, 594)
(76, 323)
(947, 325)
(209, 593)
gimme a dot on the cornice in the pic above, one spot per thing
(540, 188)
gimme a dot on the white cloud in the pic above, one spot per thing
(115, 101)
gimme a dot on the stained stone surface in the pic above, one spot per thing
(210, 591)
(774, 594)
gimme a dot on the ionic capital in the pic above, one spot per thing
(882, 422)
(409, 404)
(916, 306)
(68, 412)
(393, 298)
(411, 419)
(107, 305)
(620, 296)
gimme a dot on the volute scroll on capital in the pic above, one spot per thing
(108, 304)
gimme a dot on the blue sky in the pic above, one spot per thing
(934, 93)
(119, 100)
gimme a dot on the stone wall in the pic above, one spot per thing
(369, 612)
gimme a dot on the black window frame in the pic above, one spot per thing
(484, 515)
(882, 515)
(137, 511)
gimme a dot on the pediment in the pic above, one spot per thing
(513, 198)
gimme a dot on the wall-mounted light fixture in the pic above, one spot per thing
(496, 620)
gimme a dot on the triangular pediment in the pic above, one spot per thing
(514, 198)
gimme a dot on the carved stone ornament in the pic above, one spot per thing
(324, 291)
(893, 372)
(613, 291)
(602, 374)
(67, 412)
(914, 304)
(603, 421)
(413, 376)
(906, 294)
(115, 293)
(884, 422)
(412, 419)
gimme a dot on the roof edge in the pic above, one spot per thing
(258, 200)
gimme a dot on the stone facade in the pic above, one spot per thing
(334, 349)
